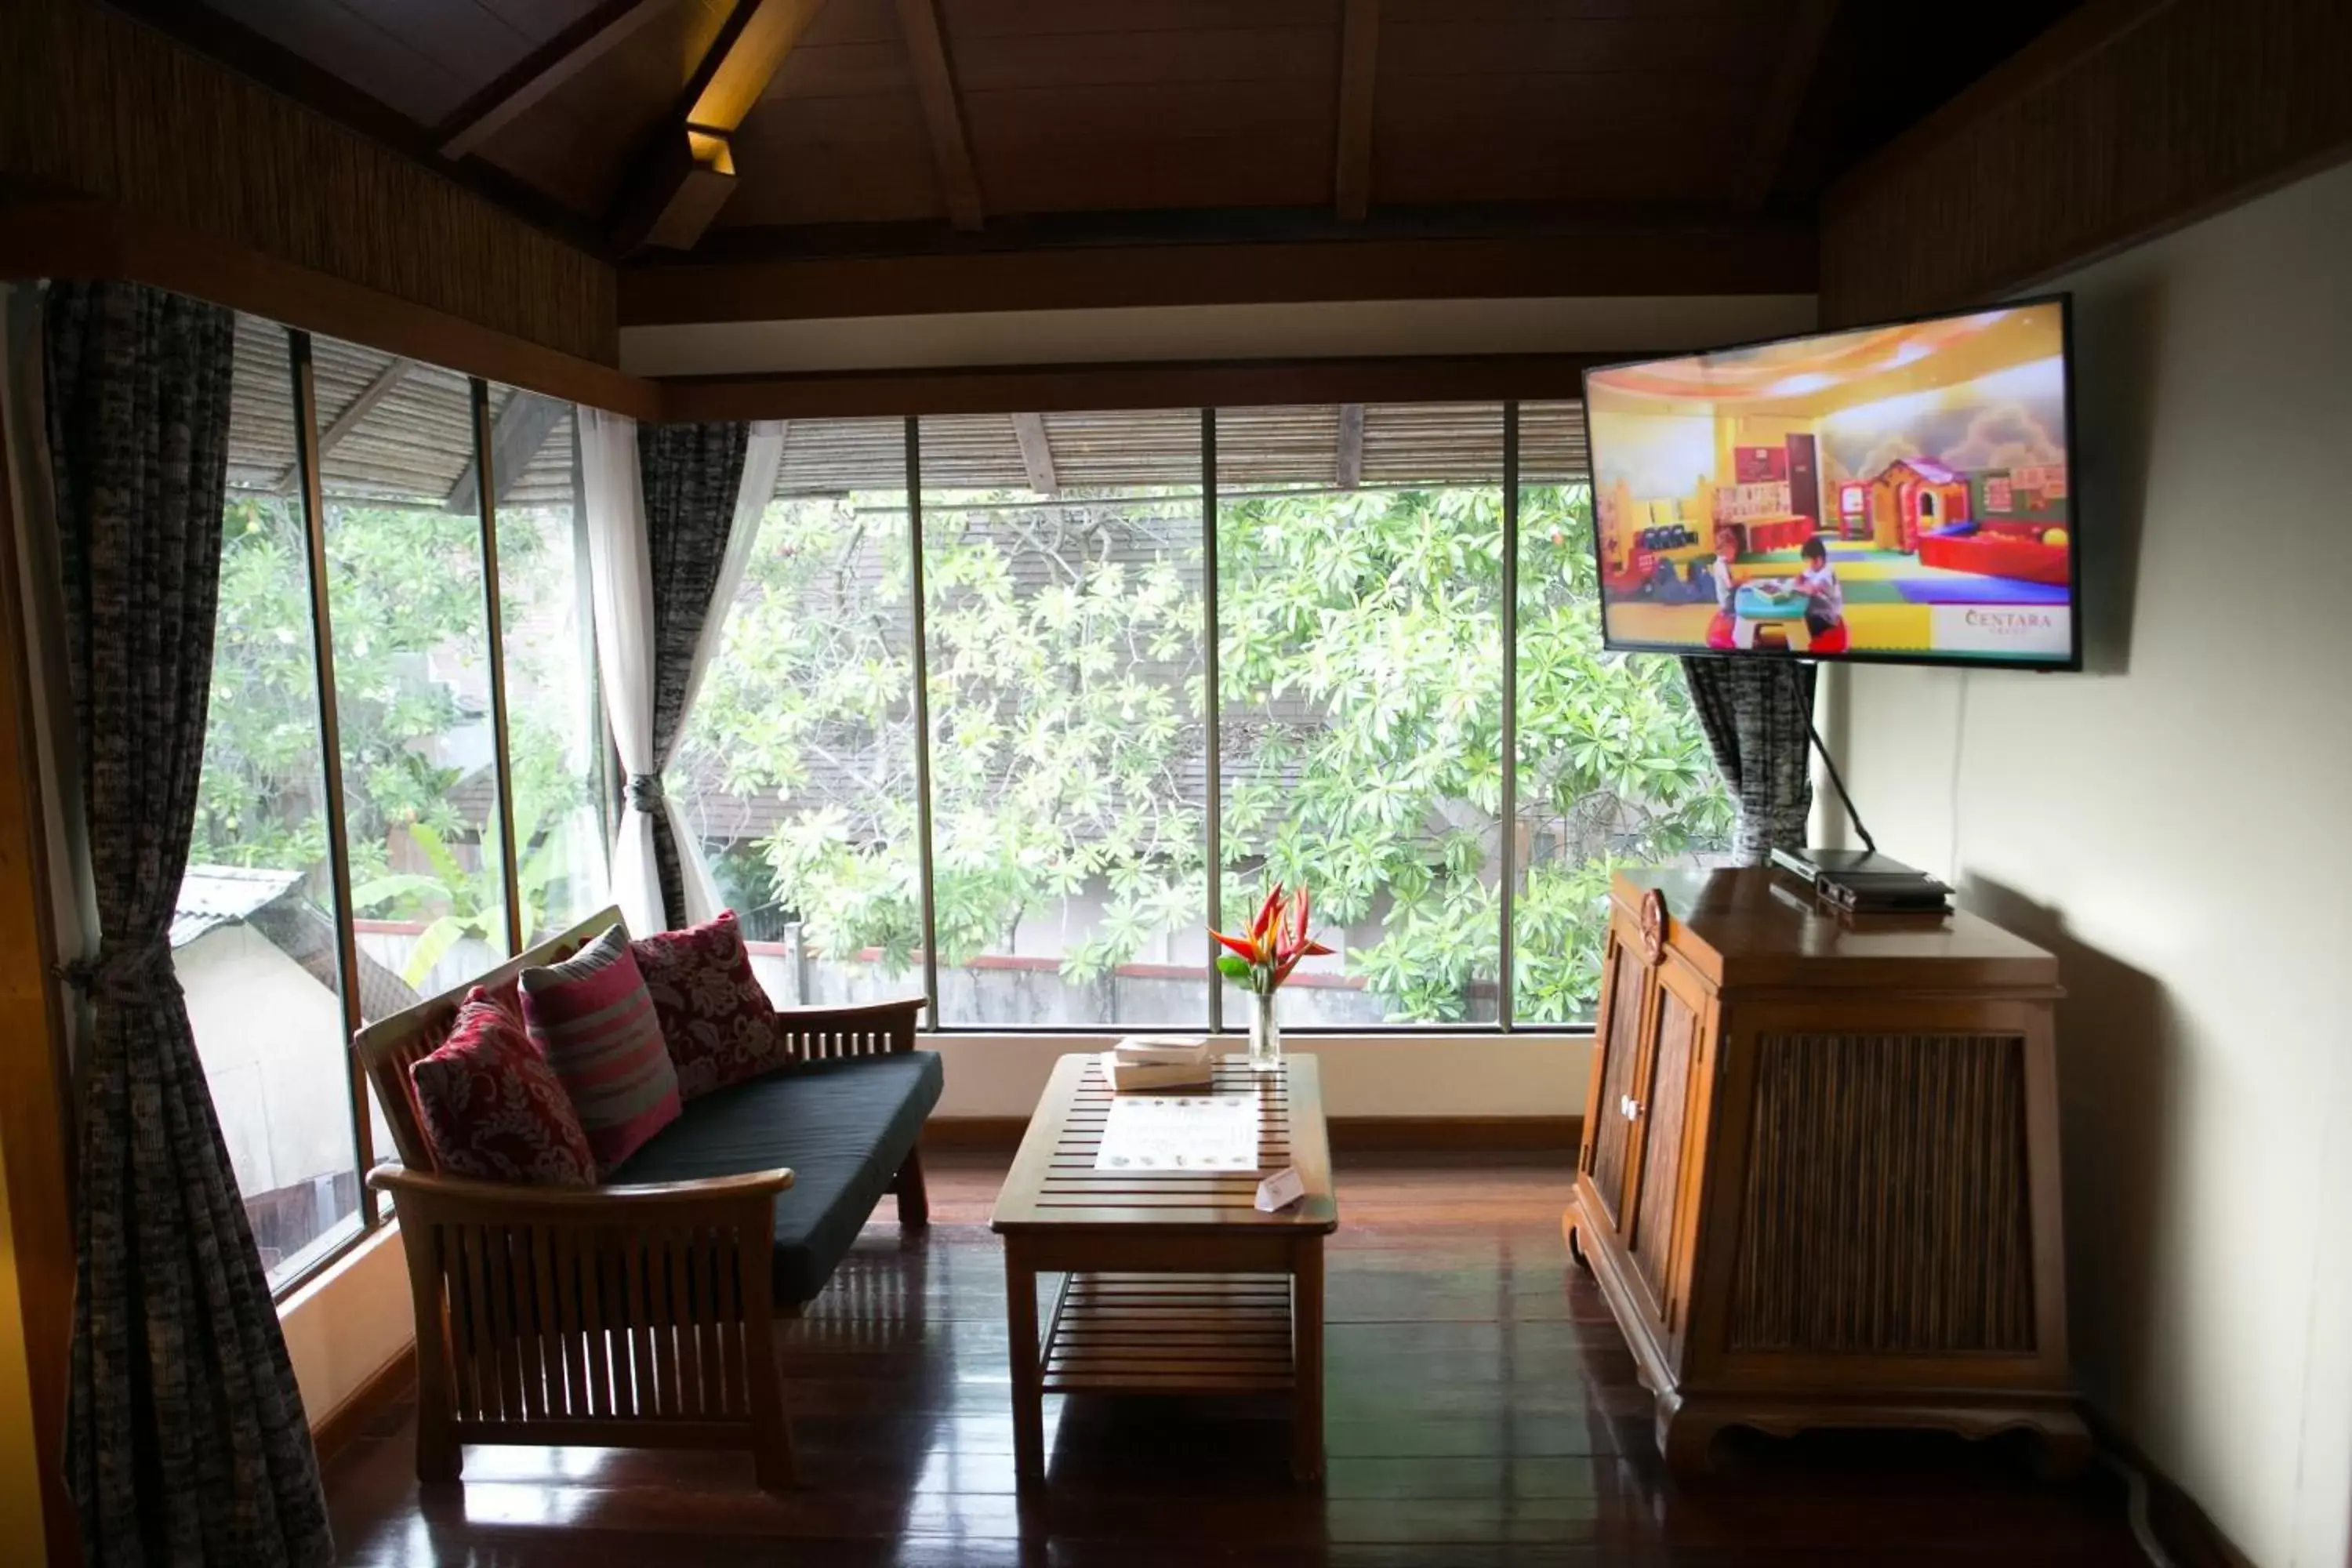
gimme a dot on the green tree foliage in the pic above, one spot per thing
(1360, 645)
(1613, 769)
(406, 615)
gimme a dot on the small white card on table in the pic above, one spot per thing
(1180, 1132)
(1281, 1190)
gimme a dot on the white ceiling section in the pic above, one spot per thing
(1632, 324)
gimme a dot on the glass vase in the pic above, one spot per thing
(1265, 1035)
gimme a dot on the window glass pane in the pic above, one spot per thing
(1062, 562)
(1612, 768)
(1359, 639)
(412, 673)
(555, 733)
(253, 935)
(797, 766)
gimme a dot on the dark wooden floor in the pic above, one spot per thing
(1482, 1411)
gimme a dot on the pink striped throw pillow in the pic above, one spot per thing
(590, 1016)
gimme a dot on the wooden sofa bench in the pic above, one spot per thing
(641, 1313)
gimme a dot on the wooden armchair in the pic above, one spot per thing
(613, 1316)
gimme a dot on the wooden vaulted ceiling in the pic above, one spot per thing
(648, 128)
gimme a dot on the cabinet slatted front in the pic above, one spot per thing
(1819, 1178)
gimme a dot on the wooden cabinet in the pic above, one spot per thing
(1819, 1176)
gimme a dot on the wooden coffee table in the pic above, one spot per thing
(1174, 1282)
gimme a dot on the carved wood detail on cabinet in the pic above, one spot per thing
(1818, 1183)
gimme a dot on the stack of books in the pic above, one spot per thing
(1159, 1061)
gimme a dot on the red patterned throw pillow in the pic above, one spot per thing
(590, 1016)
(718, 1022)
(491, 1108)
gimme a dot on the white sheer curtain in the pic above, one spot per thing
(621, 589)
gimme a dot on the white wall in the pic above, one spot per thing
(1342, 329)
(2174, 824)
(270, 1039)
(1363, 1074)
(347, 1325)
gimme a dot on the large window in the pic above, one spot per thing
(1064, 635)
(798, 761)
(1360, 687)
(1355, 744)
(254, 934)
(388, 750)
(405, 585)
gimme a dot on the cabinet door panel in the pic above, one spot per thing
(1620, 1044)
(1662, 1118)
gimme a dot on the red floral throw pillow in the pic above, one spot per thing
(491, 1108)
(591, 1017)
(718, 1022)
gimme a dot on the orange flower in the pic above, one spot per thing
(1277, 942)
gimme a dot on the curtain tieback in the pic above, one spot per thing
(123, 975)
(644, 791)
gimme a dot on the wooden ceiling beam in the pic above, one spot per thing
(1037, 453)
(344, 422)
(744, 59)
(1718, 255)
(79, 237)
(1348, 465)
(1800, 55)
(689, 172)
(1246, 384)
(690, 178)
(1359, 42)
(541, 71)
(926, 57)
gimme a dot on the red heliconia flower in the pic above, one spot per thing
(1277, 939)
(1235, 945)
(1262, 927)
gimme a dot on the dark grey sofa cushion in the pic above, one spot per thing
(844, 1127)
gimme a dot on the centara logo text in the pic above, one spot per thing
(2012, 620)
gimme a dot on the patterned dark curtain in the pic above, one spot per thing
(186, 1442)
(690, 474)
(1758, 713)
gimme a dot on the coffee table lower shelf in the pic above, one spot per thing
(1171, 1333)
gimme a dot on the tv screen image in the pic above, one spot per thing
(1898, 493)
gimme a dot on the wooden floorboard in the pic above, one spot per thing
(1482, 1412)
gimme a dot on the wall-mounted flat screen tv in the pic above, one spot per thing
(1900, 493)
